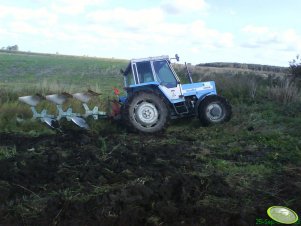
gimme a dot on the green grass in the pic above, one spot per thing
(20, 71)
(7, 152)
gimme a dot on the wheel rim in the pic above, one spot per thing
(215, 112)
(146, 114)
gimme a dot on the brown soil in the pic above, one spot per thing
(86, 179)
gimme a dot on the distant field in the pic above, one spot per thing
(34, 70)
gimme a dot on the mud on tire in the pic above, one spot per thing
(145, 112)
(214, 109)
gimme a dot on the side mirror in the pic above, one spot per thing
(177, 57)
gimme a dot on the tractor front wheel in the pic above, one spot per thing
(146, 112)
(214, 109)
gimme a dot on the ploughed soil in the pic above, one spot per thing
(130, 179)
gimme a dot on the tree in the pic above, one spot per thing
(295, 68)
(12, 48)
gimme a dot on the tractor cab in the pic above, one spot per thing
(153, 71)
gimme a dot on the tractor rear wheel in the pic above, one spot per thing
(214, 109)
(146, 112)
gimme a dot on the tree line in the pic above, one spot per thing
(254, 67)
(11, 48)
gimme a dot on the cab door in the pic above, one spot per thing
(169, 83)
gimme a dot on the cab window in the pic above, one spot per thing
(145, 72)
(165, 74)
(130, 78)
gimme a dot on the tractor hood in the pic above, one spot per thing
(198, 88)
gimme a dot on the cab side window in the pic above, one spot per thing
(130, 79)
(145, 72)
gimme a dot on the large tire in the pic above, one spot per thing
(145, 112)
(214, 109)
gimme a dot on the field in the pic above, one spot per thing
(226, 174)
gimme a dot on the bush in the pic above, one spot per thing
(285, 92)
(295, 68)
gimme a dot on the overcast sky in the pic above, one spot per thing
(245, 31)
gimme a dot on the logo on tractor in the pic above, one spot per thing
(173, 93)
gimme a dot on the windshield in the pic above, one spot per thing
(165, 74)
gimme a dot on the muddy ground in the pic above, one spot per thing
(130, 179)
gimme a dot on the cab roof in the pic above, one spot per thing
(163, 57)
(128, 68)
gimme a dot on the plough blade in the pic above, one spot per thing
(86, 96)
(51, 122)
(80, 122)
(42, 116)
(58, 99)
(32, 100)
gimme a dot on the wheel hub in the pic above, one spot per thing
(214, 112)
(147, 114)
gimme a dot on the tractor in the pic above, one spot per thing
(154, 96)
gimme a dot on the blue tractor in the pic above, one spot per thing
(155, 95)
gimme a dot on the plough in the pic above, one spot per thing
(59, 100)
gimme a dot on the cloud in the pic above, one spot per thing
(130, 19)
(71, 7)
(142, 30)
(232, 12)
(144, 27)
(204, 37)
(23, 28)
(150, 26)
(255, 29)
(18, 14)
(78, 28)
(183, 6)
(266, 38)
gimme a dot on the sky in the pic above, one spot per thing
(199, 31)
